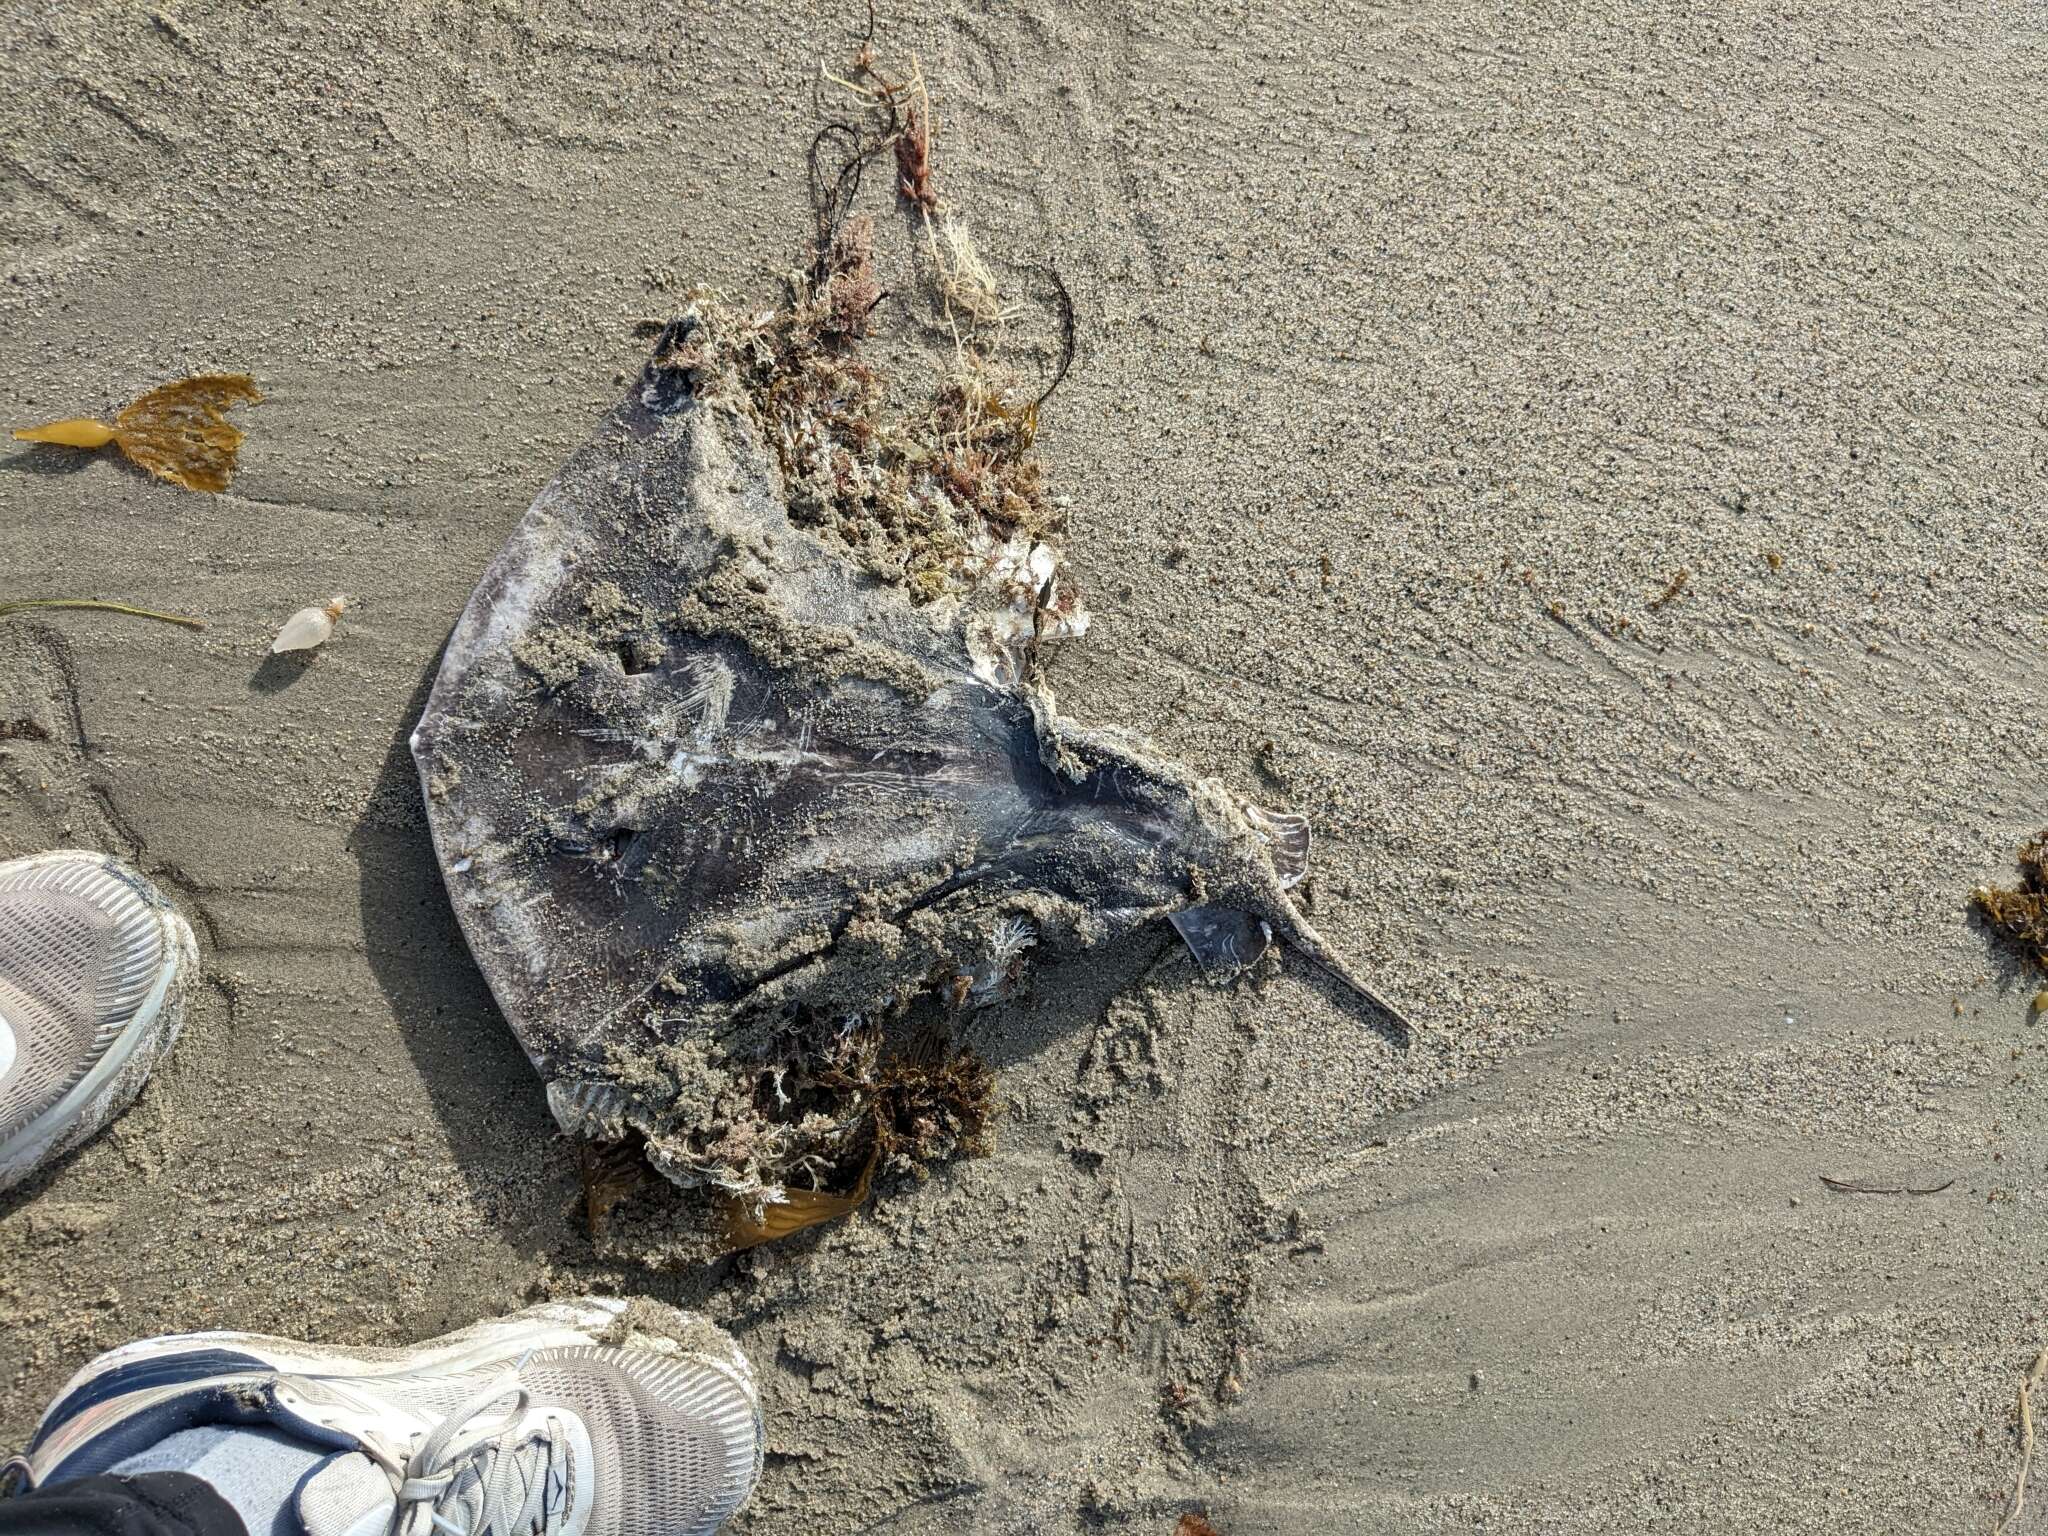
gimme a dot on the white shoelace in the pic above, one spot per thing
(484, 1481)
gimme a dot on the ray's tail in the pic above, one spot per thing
(1295, 930)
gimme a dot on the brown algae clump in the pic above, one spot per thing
(2020, 914)
(822, 1122)
(908, 1113)
(178, 431)
(748, 1224)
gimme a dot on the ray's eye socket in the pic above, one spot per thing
(607, 848)
(668, 383)
(614, 845)
(666, 390)
(632, 657)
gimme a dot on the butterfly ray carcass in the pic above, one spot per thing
(711, 794)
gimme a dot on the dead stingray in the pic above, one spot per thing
(701, 782)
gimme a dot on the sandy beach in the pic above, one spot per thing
(1586, 459)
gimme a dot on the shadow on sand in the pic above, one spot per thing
(485, 1094)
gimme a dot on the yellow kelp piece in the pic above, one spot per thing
(77, 432)
(798, 1209)
(177, 431)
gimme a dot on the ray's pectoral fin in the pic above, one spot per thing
(1287, 842)
(1224, 940)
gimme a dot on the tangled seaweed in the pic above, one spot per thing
(933, 496)
(800, 1139)
(930, 497)
(944, 497)
(861, 1111)
(12, 606)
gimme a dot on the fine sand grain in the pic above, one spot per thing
(1421, 350)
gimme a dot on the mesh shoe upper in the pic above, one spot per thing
(675, 1447)
(81, 948)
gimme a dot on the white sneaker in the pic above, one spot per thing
(94, 964)
(594, 1417)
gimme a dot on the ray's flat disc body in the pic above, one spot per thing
(686, 765)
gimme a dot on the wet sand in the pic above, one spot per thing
(1419, 351)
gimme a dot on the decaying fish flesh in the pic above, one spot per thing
(715, 796)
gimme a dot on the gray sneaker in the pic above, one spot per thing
(94, 964)
(591, 1417)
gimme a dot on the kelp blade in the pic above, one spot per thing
(178, 432)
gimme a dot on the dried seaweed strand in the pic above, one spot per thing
(1844, 1186)
(832, 200)
(22, 604)
(1066, 341)
(1670, 592)
(2019, 1487)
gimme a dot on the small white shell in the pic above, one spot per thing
(309, 627)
